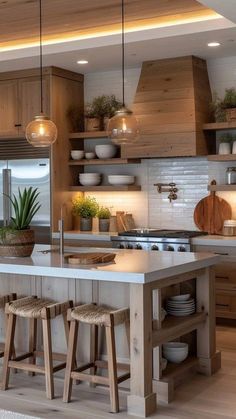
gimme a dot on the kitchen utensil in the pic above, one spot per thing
(77, 154)
(175, 352)
(121, 179)
(231, 175)
(90, 258)
(211, 212)
(105, 151)
(90, 155)
(224, 148)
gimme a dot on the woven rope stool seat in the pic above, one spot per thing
(34, 309)
(96, 316)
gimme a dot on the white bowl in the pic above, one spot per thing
(89, 175)
(105, 151)
(175, 352)
(90, 182)
(121, 179)
(90, 155)
(77, 154)
(183, 297)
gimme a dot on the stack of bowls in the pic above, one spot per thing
(175, 351)
(181, 305)
(90, 179)
(121, 179)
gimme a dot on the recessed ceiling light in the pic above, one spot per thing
(213, 44)
(82, 62)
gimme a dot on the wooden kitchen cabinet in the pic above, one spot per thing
(20, 102)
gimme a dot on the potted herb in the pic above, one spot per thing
(104, 215)
(86, 208)
(225, 143)
(101, 108)
(229, 104)
(92, 119)
(17, 239)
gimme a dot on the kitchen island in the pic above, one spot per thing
(136, 278)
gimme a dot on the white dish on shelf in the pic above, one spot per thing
(175, 352)
(182, 297)
(77, 154)
(89, 175)
(105, 151)
(121, 179)
(90, 182)
(89, 155)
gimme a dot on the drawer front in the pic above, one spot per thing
(226, 252)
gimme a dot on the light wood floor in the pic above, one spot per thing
(201, 398)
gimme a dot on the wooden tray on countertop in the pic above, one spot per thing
(90, 258)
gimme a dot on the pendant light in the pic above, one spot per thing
(41, 132)
(123, 127)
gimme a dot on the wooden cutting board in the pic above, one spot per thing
(90, 258)
(211, 212)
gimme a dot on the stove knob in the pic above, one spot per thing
(129, 246)
(154, 247)
(170, 248)
(121, 246)
(181, 249)
(138, 246)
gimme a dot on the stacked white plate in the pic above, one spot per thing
(181, 305)
(121, 179)
(90, 179)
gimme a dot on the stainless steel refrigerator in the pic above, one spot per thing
(21, 173)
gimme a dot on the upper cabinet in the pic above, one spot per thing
(172, 104)
(9, 108)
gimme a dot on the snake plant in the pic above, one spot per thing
(25, 206)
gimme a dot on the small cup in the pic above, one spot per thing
(224, 148)
(90, 155)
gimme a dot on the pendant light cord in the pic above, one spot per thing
(41, 55)
(123, 51)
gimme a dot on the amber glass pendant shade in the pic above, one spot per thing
(41, 132)
(123, 127)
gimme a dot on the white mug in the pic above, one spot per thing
(225, 148)
(234, 148)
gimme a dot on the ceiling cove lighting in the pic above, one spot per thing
(41, 132)
(213, 44)
(123, 127)
(82, 62)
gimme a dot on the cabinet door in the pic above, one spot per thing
(8, 108)
(29, 99)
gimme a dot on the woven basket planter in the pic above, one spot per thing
(18, 243)
(230, 114)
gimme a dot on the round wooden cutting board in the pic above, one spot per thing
(211, 212)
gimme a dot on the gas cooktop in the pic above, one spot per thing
(149, 232)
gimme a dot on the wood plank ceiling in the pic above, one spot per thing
(70, 18)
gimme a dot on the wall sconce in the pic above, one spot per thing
(168, 187)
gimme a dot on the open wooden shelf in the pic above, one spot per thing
(222, 157)
(115, 160)
(216, 126)
(105, 188)
(88, 134)
(172, 371)
(221, 188)
(173, 327)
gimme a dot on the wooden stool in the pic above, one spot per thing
(34, 309)
(96, 316)
(4, 299)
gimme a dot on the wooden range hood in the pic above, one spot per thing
(171, 104)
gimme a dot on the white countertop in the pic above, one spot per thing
(130, 266)
(85, 235)
(214, 240)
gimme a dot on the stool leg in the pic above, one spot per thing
(32, 341)
(48, 363)
(112, 368)
(93, 350)
(72, 344)
(11, 325)
(13, 354)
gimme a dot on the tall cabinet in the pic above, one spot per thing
(20, 102)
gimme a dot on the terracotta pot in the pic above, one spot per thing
(86, 224)
(92, 124)
(230, 114)
(18, 243)
(104, 224)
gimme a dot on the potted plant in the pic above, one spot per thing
(225, 143)
(104, 215)
(86, 208)
(17, 239)
(100, 110)
(92, 119)
(224, 109)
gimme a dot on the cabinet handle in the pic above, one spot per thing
(222, 305)
(223, 254)
(17, 125)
